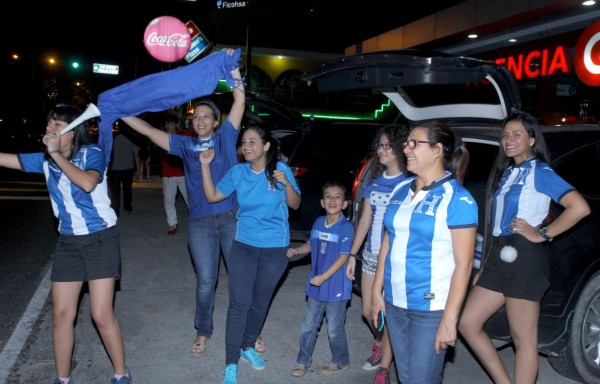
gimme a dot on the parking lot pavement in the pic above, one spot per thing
(155, 305)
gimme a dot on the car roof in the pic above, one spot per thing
(425, 84)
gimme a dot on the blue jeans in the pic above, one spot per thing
(253, 276)
(309, 331)
(207, 237)
(412, 334)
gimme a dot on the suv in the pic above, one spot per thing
(473, 97)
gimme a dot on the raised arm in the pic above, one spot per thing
(239, 97)
(211, 192)
(157, 136)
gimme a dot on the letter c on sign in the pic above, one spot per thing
(167, 39)
(587, 56)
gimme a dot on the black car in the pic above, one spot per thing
(328, 151)
(473, 97)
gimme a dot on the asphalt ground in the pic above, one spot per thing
(155, 304)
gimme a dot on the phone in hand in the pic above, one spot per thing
(380, 321)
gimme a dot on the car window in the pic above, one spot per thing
(575, 169)
(482, 158)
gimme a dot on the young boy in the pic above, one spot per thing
(328, 290)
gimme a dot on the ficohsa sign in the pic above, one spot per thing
(167, 39)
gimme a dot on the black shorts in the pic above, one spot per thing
(524, 278)
(87, 257)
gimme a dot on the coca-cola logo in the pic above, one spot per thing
(173, 40)
(167, 39)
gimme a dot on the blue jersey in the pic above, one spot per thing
(420, 261)
(189, 148)
(78, 212)
(327, 242)
(263, 210)
(379, 192)
(525, 191)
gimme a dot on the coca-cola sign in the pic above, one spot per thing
(167, 39)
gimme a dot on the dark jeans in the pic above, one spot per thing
(115, 180)
(253, 274)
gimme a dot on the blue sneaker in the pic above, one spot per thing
(230, 374)
(127, 379)
(58, 381)
(253, 358)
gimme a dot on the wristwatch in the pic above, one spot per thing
(544, 233)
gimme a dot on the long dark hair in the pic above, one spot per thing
(81, 133)
(539, 148)
(396, 134)
(274, 152)
(456, 155)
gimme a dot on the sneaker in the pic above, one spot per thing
(383, 376)
(299, 370)
(253, 358)
(375, 359)
(331, 369)
(230, 374)
(59, 381)
(127, 379)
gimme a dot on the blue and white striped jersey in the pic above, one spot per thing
(525, 191)
(420, 261)
(379, 193)
(78, 212)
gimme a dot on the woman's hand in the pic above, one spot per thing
(280, 177)
(52, 141)
(206, 157)
(521, 227)
(446, 334)
(377, 306)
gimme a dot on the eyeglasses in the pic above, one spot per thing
(413, 143)
(386, 147)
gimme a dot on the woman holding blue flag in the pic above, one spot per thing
(211, 226)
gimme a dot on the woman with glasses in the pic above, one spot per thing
(387, 171)
(516, 272)
(211, 227)
(426, 254)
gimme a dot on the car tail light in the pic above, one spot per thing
(359, 176)
(299, 171)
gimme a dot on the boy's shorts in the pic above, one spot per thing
(87, 257)
(524, 278)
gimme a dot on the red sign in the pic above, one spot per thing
(167, 39)
(587, 56)
(193, 30)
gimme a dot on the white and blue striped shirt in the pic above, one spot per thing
(420, 260)
(79, 212)
(525, 191)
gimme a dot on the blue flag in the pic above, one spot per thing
(163, 90)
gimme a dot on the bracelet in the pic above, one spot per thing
(353, 255)
(52, 151)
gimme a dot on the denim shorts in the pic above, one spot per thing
(87, 257)
(524, 278)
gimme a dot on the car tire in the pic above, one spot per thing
(581, 360)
